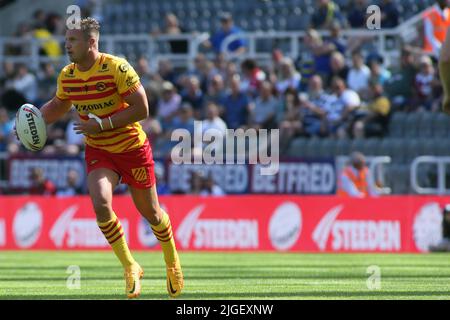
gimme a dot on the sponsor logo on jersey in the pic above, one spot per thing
(94, 106)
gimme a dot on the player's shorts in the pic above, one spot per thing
(136, 167)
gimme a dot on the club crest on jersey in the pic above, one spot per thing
(100, 86)
(139, 174)
(124, 67)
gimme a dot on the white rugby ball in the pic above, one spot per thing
(30, 127)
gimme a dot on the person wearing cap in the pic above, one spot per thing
(354, 178)
(227, 28)
(169, 104)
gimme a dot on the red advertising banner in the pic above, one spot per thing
(267, 223)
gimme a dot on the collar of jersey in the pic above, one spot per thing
(84, 75)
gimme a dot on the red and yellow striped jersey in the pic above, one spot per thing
(101, 90)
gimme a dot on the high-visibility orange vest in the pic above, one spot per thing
(440, 26)
(359, 180)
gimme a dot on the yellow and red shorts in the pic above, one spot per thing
(135, 167)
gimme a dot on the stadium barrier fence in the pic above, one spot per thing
(390, 224)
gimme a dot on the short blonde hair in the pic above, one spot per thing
(90, 27)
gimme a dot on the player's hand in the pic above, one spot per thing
(89, 127)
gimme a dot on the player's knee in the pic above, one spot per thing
(103, 209)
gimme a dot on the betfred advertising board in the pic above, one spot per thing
(249, 223)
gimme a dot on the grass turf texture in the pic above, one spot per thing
(225, 276)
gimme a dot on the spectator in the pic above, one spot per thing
(184, 119)
(236, 105)
(289, 119)
(166, 71)
(288, 77)
(354, 179)
(424, 81)
(73, 187)
(39, 184)
(326, 12)
(25, 82)
(196, 183)
(216, 90)
(168, 105)
(214, 122)
(228, 28)
(378, 73)
(436, 22)
(374, 123)
(399, 87)
(6, 129)
(336, 42)
(343, 108)
(357, 15)
(315, 107)
(172, 27)
(266, 106)
(338, 67)
(253, 76)
(390, 15)
(46, 82)
(359, 74)
(194, 95)
(211, 188)
(320, 51)
(143, 70)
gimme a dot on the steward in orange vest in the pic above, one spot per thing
(353, 180)
(436, 22)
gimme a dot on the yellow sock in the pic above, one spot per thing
(164, 234)
(114, 234)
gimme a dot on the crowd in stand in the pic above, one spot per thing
(334, 89)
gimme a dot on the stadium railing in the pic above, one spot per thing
(441, 163)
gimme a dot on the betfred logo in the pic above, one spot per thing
(216, 233)
(81, 233)
(356, 235)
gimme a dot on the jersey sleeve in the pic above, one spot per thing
(127, 80)
(60, 94)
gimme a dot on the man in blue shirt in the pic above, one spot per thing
(227, 28)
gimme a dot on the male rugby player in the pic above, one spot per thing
(110, 100)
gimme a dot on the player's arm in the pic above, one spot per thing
(137, 110)
(55, 109)
(444, 71)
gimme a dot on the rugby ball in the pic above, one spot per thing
(30, 127)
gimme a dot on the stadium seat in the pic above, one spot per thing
(343, 147)
(326, 147)
(441, 125)
(425, 125)
(396, 128)
(297, 147)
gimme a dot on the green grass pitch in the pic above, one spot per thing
(225, 276)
